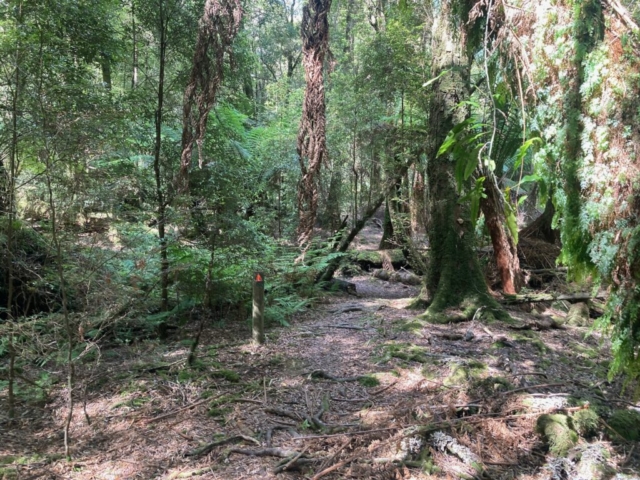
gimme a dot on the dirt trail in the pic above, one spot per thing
(410, 374)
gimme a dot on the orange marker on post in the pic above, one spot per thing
(258, 309)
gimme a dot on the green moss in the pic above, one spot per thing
(586, 422)
(368, 381)
(626, 423)
(228, 375)
(405, 351)
(557, 430)
(461, 374)
(373, 257)
(415, 325)
(490, 385)
(534, 339)
(218, 412)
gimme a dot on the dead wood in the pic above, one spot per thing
(360, 432)
(210, 446)
(383, 389)
(348, 308)
(545, 323)
(265, 452)
(270, 430)
(316, 374)
(283, 413)
(287, 463)
(175, 412)
(334, 467)
(548, 297)
(544, 385)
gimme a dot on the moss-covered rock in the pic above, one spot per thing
(586, 422)
(626, 424)
(557, 431)
(578, 315)
(369, 259)
(490, 385)
(461, 374)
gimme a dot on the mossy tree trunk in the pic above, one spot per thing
(455, 283)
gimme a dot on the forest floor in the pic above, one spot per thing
(356, 387)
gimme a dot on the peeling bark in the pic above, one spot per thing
(504, 246)
(218, 27)
(312, 146)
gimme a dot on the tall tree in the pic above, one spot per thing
(312, 142)
(454, 280)
(218, 27)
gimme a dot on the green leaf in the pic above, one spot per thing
(512, 223)
(522, 151)
(433, 80)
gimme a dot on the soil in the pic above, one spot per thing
(365, 367)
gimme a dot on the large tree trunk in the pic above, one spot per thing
(312, 146)
(160, 198)
(504, 246)
(455, 283)
(387, 241)
(218, 27)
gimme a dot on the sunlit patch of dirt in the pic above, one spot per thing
(482, 386)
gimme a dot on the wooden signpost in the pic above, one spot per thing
(258, 308)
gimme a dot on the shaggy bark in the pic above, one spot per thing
(312, 147)
(454, 279)
(504, 246)
(218, 27)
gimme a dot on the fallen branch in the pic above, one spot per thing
(210, 446)
(283, 413)
(322, 374)
(549, 297)
(188, 407)
(360, 432)
(384, 389)
(264, 452)
(334, 467)
(286, 465)
(345, 327)
(545, 385)
(541, 324)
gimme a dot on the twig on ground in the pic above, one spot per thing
(264, 452)
(283, 413)
(175, 412)
(361, 432)
(383, 389)
(545, 385)
(210, 446)
(285, 466)
(322, 374)
(333, 467)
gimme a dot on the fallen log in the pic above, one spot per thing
(406, 278)
(549, 297)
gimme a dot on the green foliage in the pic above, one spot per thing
(626, 424)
